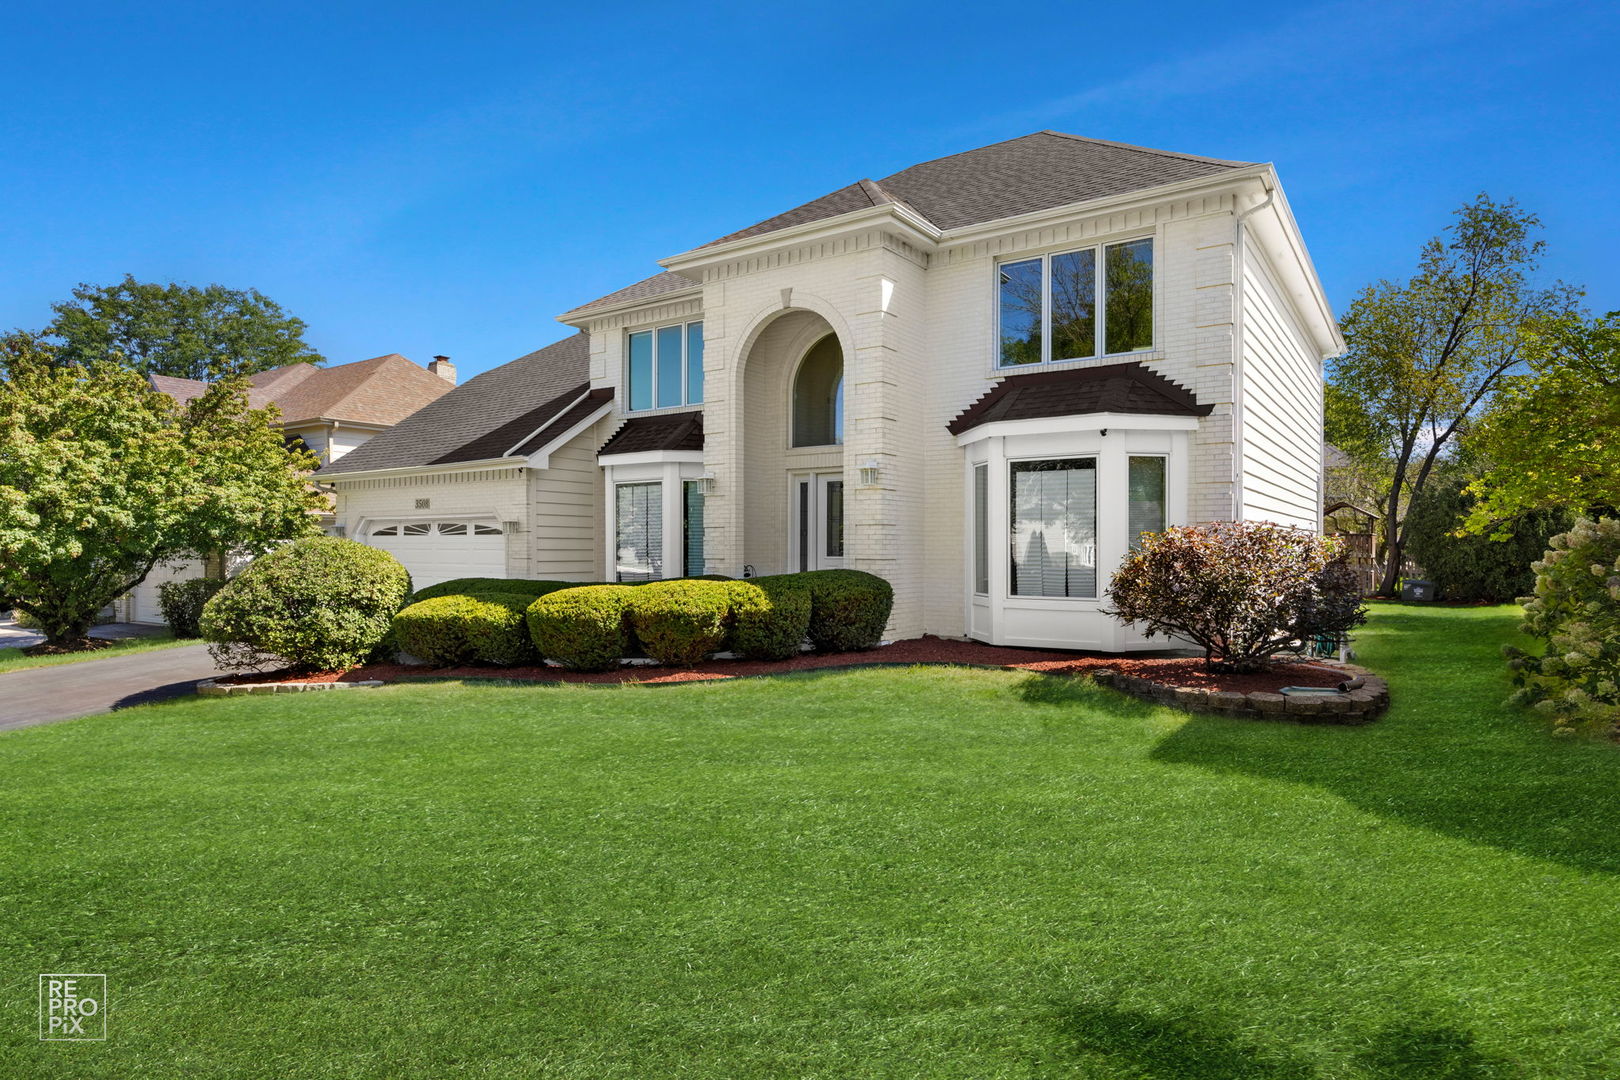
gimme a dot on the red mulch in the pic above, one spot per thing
(1178, 670)
(285, 675)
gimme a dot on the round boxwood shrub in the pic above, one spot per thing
(182, 603)
(585, 628)
(473, 586)
(770, 618)
(486, 627)
(848, 608)
(318, 604)
(681, 622)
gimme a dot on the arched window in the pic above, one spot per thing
(818, 396)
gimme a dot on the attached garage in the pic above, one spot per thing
(435, 551)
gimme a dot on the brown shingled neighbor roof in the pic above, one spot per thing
(1039, 171)
(383, 390)
(645, 289)
(517, 395)
(182, 390)
(672, 431)
(1112, 388)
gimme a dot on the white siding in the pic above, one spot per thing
(1281, 428)
(565, 527)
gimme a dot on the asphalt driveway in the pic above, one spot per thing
(40, 695)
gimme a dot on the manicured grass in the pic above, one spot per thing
(866, 873)
(17, 660)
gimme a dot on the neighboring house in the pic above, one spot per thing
(328, 410)
(980, 378)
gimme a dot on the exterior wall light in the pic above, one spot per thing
(709, 482)
(870, 473)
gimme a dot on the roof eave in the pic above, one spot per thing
(912, 225)
(581, 317)
(436, 467)
(1158, 193)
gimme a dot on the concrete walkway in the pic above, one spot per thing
(40, 695)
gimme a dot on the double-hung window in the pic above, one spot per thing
(665, 366)
(638, 539)
(1071, 305)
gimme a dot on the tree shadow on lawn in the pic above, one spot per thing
(1449, 756)
(1184, 1047)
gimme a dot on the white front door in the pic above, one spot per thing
(816, 517)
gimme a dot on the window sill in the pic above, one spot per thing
(1139, 355)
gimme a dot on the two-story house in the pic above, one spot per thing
(982, 378)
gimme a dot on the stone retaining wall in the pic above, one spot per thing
(1359, 706)
(214, 688)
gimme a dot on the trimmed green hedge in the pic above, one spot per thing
(770, 617)
(182, 603)
(680, 622)
(585, 628)
(474, 586)
(487, 627)
(848, 608)
(317, 604)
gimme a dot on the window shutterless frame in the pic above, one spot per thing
(655, 344)
(1099, 302)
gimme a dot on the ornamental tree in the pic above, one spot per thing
(1242, 591)
(102, 478)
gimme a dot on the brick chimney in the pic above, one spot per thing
(443, 368)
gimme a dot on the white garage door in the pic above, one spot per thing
(435, 551)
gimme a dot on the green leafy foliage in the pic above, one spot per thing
(848, 608)
(1575, 614)
(770, 618)
(469, 586)
(178, 330)
(1550, 434)
(1242, 591)
(318, 604)
(182, 603)
(459, 629)
(1426, 354)
(585, 628)
(1474, 567)
(679, 623)
(102, 477)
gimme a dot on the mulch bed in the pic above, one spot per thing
(1175, 670)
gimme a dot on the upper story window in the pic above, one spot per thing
(1071, 305)
(665, 366)
(818, 396)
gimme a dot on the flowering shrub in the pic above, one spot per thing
(1242, 591)
(1575, 612)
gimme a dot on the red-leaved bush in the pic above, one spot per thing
(1242, 591)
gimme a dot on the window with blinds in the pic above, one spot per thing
(1054, 527)
(981, 529)
(692, 528)
(1147, 497)
(639, 532)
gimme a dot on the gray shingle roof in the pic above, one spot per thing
(645, 289)
(458, 426)
(1039, 171)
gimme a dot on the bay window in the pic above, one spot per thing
(664, 367)
(1054, 527)
(1146, 509)
(1073, 305)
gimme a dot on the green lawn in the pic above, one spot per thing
(868, 873)
(17, 660)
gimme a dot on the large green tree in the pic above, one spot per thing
(179, 330)
(1426, 355)
(1553, 435)
(102, 477)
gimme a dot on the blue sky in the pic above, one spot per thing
(446, 178)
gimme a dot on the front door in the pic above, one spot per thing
(817, 519)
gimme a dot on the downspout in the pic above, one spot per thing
(1238, 383)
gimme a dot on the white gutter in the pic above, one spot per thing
(1238, 386)
(427, 470)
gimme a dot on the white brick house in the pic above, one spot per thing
(979, 378)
